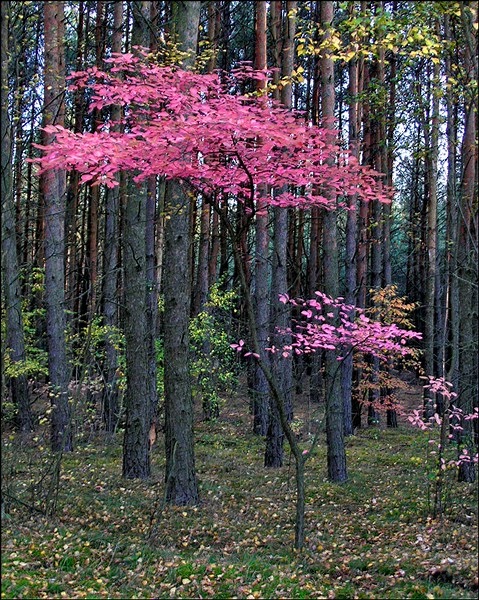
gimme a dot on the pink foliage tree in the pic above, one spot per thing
(450, 425)
(187, 127)
(190, 128)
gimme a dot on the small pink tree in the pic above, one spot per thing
(450, 424)
(319, 329)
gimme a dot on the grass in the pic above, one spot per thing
(368, 538)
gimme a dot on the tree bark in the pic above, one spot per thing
(202, 282)
(334, 401)
(15, 337)
(110, 400)
(432, 149)
(263, 422)
(467, 268)
(140, 385)
(351, 239)
(280, 316)
(54, 188)
(180, 476)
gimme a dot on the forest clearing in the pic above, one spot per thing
(239, 308)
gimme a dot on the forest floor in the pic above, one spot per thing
(371, 537)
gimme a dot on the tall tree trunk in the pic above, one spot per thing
(202, 283)
(313, 283)
(136, 451)
(376, 161)
(15, 338)
(280, 313)
(94, 196)
(74, 178)
(110, 400)
(391, 414)
(432, 150)
(363, 221)
(452, 302)
(261, 419)
(152, 288)
(54, 187)
(351, 236)
(215, 249)
(334, 401)
(180, 476)
(467, 263)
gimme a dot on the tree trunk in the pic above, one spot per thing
(432, 149)
(15, 338)
(140, 385)
(262, 419)
(467, 266)
(351, 236)
(375, 210)
(280, 316)
(180, 476)
(54, 187)
(391, 415)
(334, 401)
(202, 283)
(110, 400)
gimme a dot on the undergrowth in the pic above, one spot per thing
(112, 538)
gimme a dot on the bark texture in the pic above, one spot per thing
(334, 400)
(15, 338)
(180, 476)
(110, 276)
(140, 392)
(54, 187)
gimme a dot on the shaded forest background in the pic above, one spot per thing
(120, 306)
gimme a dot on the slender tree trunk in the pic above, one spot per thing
(262, 420)
(452, 303)
(276, 391)
(180, 476)
(136, 450)
(94, 197)
(376, 158)
(110, 276)
(315, 362)
(152, 281)
(351, 238)
(280, 313)
(15, 346)
(334, 401)
(54, 187)
(215, 249)
(391, 415)
(202, 283)
(467, 264)
(432, 148)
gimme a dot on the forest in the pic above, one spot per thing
(239, 307)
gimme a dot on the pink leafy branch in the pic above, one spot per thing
(331, 324)
(451, 419)
(187, 126)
